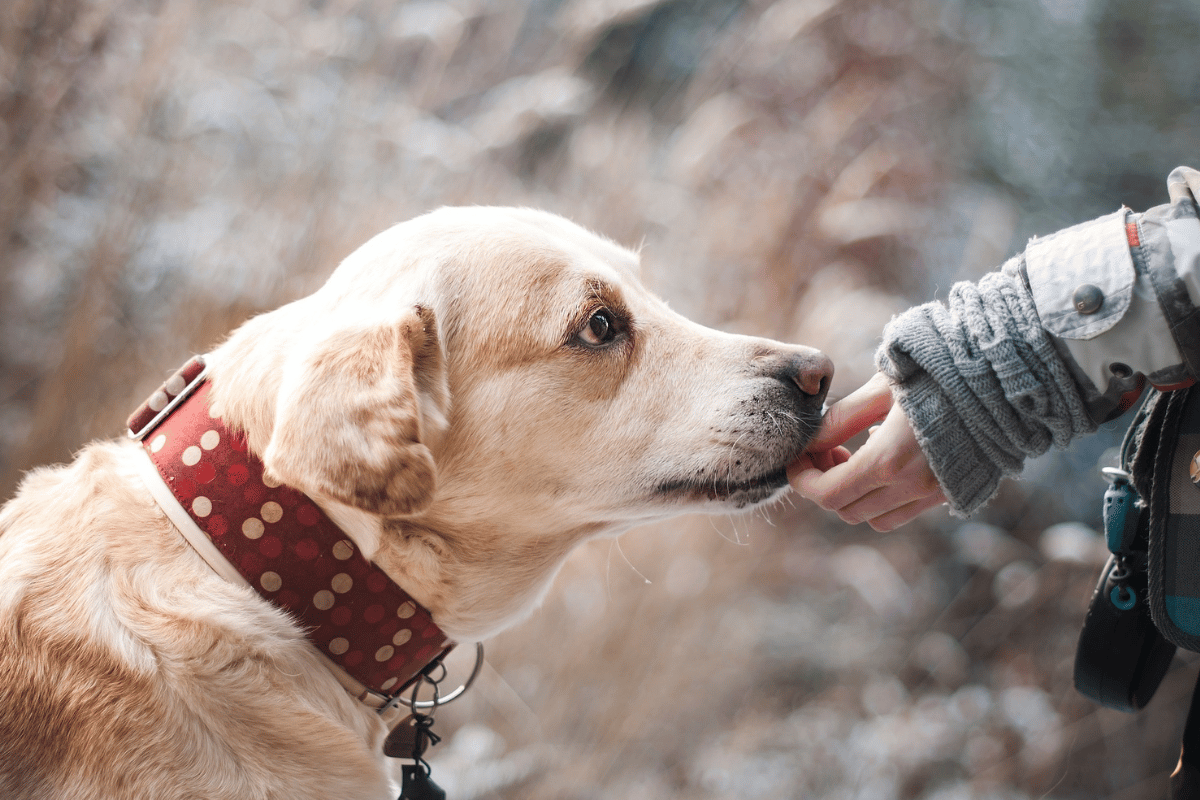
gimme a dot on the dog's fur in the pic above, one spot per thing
(450, 401)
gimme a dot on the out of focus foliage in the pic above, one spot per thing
(801, 169)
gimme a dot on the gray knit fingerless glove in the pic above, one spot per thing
(982, 385)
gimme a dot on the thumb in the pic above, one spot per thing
(857, 411)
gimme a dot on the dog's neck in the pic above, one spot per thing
(253, 356)
(476, 591)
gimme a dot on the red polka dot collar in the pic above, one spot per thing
(281, 543)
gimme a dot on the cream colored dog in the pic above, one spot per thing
(471, 395)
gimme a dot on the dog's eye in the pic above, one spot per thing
(600, 329)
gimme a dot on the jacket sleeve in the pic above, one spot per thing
(1062, 337)
(1120, 296)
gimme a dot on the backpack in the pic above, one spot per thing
(1147, 601)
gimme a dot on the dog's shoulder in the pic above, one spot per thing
(63, 683)
(122, 655)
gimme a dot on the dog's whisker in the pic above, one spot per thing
(617, 542)
(732, 519)
(713, 522)
(608, 571)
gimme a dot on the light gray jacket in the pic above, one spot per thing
(1061, 338)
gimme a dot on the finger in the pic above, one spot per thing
(852, 414)
(907, 513)
(840, 485)
(828, 459)
(881, 502)
(822, 460)
(839, 455)
(810, 485)
(803, 463)
(895, 505)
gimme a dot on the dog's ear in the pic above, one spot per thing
(348, 422)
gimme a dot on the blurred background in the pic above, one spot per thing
(800, 169)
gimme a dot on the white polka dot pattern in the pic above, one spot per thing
(271, 581)
(253, 528)
(271, 512)
(202, 506)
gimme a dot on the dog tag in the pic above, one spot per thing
(418, 785)
(406, 740)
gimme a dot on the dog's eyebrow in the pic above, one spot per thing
(603, 294)
(602, 290)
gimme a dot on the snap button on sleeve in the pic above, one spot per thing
(1093, 255)
(1088, 299)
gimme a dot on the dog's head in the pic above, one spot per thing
(477, 390)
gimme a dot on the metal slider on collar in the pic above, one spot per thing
(167, 398)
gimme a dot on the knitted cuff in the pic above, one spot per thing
(967, 476)
(982, 384)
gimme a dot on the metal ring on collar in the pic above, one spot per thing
(457, 693)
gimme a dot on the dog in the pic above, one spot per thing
(471, 394)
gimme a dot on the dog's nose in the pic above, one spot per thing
(808, 370)
(813, 374)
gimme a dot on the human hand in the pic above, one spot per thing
(886, 482)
